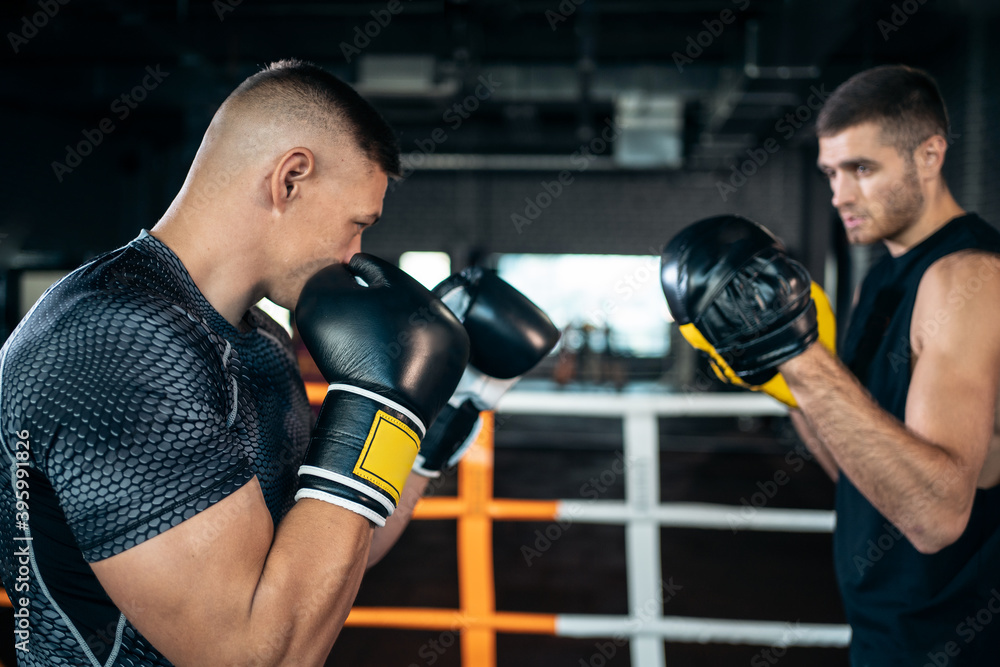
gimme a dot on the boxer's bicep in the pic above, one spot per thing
(192, 586)
(955, 332)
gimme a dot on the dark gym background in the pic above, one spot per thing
(738, 81)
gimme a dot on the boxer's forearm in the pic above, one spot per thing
(386, 536)
(914, 483)
(814, 444)
(307, 586)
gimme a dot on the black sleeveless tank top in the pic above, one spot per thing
(908, 608)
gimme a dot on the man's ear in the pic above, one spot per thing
(291, 170)
(929, 156)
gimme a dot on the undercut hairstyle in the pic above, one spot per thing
(905, 102)
(306, 93)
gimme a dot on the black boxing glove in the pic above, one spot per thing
(737, 296)
(393, 354)
(508, 334)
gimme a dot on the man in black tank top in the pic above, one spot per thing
(905, 422)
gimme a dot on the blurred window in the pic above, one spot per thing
(617, 297)
(429, 268)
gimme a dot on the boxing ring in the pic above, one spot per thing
(644, 628)
(477, 620)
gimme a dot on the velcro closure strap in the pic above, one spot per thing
(340, 501)
(384, 401)
(482, 389)
(363, 444)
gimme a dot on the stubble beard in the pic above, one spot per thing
(894, 210)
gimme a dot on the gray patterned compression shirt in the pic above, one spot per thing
(128, 404)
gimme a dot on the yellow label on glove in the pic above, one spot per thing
(388, 454)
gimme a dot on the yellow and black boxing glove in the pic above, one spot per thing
(737, 296)
(393, 354)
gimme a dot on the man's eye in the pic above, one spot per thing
(863, 169)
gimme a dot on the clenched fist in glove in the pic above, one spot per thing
(509, 335)
(379, 404)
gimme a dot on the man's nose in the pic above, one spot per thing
(351, 250)
(844, 190)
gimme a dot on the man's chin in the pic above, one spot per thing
(858, 236)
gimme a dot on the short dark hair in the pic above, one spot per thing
(310, 94)
(905, 102)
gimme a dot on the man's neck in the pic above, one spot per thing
(217, 262)
(941, 210)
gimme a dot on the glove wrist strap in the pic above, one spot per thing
(483, 390)
(384, 400)
(361, 452)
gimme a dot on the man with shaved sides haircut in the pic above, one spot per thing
(157, 418)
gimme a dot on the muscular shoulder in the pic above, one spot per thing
(965, 264)
(114, 343)
(968, 277)
(957, 292)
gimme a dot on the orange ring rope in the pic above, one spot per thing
(475, 508)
